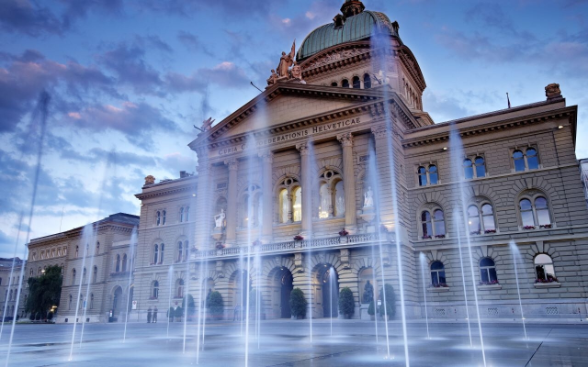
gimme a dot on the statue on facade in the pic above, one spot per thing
(219, 219)
(552, 91)
(207, 124)
(273, 79)
(368, 293)
(297, 72)
(286, 61)
(368, 201)
(149, 180)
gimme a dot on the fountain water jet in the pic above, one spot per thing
(516, 257)
(423, 260)
(42, 106)
(463, 277)
(130, 267)
(381, 45)
(170, 273)
(457, 154)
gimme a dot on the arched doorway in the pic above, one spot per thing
(281, 286)
(116, 298)
(329, 281)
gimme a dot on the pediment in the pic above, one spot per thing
(287, 102)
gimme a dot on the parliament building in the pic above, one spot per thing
(335, 176)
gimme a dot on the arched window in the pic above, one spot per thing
(155, 290)
(480, 164)
(427, 224)
(0, 281)
(180, 251)
(83, 275)
(34, 256)
(285, 206)
(345, 83)
(181, 214)
(429, 174)
(367, 81)
(488, 219)
(488, 271)
(70, 302)
(325, 201)
(433, 175)
(81, 302)
(92, 301)
(10, 296)
(95, 274)
(339, 199)
(187, 214)
(77, 251)
(468, 169)
(163, 216)
(180, 288)
(525, 161)
(474, 224)
(186, 249)
(97, 248)
(124, 263)
(73, 276)
(535, 213)
(544, 269)
(422, 172)
(161, 248)
(155, 254)
(333, 84)
(297, 206)
(438, 274)
(117, 266)
(439, 221)
(356, 82)
(532, 160)
(158, 218)
(433, 224)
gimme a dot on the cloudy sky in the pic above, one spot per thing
(128, 79)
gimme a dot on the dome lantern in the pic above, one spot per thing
(352, 7)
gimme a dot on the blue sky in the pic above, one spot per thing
(128, 79)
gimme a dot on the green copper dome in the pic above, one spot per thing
(346, 29)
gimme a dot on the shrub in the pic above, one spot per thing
(372, 308)
(389, 302)
(214, 304)
(346, 302)
(298, 303)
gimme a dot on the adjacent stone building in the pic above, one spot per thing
(96, 262)
(297, 189)
(10, 270)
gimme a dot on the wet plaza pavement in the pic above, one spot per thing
(286, 343)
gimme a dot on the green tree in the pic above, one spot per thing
(191, 305)
(298, 303)
(389, 302)
(44, 291)
(215, 305)
(346, 302)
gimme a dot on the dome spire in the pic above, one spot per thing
(352, 7)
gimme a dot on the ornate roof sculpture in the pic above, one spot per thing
(354, 24)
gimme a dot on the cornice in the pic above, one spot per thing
(487, 127)
(310, 71)
(375, 108)
(164, 191)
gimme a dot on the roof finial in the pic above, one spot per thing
(352, 7)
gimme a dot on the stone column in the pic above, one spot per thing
(346, 141)
(233, 165)
(268, 223)
(384, 197)
(306, 188)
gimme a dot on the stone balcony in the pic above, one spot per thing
(289, 247)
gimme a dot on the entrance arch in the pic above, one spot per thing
(280, 281)
(327, 291)
(116, 300)
(238, 284)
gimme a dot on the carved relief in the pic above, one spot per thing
(333, 57)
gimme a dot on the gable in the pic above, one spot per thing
(286, 108)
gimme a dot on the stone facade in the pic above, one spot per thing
(10, 271)
(96, 262)
(343, 126)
